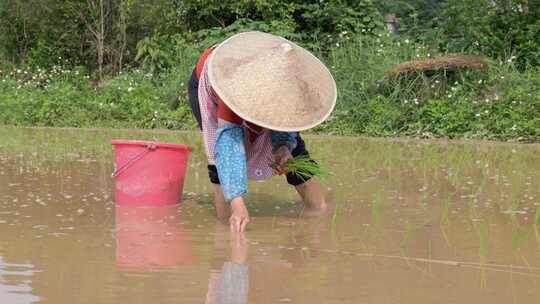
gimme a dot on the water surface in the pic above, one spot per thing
(411, 222)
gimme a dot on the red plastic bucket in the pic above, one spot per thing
(149, 173)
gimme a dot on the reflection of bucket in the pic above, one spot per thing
(150, 237)
(149, 173)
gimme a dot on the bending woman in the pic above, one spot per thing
(251, 95)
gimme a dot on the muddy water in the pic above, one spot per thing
(411, 222)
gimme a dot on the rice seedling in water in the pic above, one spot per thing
(376, 208)
(410, 229)
(445, 211)
(482, 231)
(333, 224)
(536, 215)
(519, 237)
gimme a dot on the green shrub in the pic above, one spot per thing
(502, 102)
(499, 103)
(503, 29)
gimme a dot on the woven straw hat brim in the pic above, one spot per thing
(272, 82)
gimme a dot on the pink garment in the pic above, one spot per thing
(259, 152)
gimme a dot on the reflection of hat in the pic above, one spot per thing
(272, 82)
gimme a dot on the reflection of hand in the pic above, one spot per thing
(281, 156)
(240, 216)
(239, 248)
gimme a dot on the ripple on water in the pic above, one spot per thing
(15, 283)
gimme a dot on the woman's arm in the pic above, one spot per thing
(230, 156)
(231, 164)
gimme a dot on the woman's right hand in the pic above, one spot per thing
(240, 216)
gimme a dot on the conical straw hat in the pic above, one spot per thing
(272, 82)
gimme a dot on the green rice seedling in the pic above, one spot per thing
(376, 208)
(446, 210)
(304, 167)
(536, 215)
(333, 224)
(482, 232)
(519, 237)
(410, 229)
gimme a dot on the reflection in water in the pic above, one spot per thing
(235, 278)
(151, 237)
(15, 282)
(230, 284)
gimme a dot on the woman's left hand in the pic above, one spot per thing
(281, 156)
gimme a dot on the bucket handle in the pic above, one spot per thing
(118, 171)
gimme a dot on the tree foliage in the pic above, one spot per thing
(496, 28)
(103, 35)
(106, 36)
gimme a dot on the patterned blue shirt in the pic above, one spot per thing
(230, 156)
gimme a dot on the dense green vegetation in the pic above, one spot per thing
(125, 63)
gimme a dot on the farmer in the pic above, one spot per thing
(251, 95)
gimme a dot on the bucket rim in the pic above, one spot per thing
(144, 143)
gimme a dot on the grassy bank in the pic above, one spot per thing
(500, 103)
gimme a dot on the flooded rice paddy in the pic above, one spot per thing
(411, 222)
